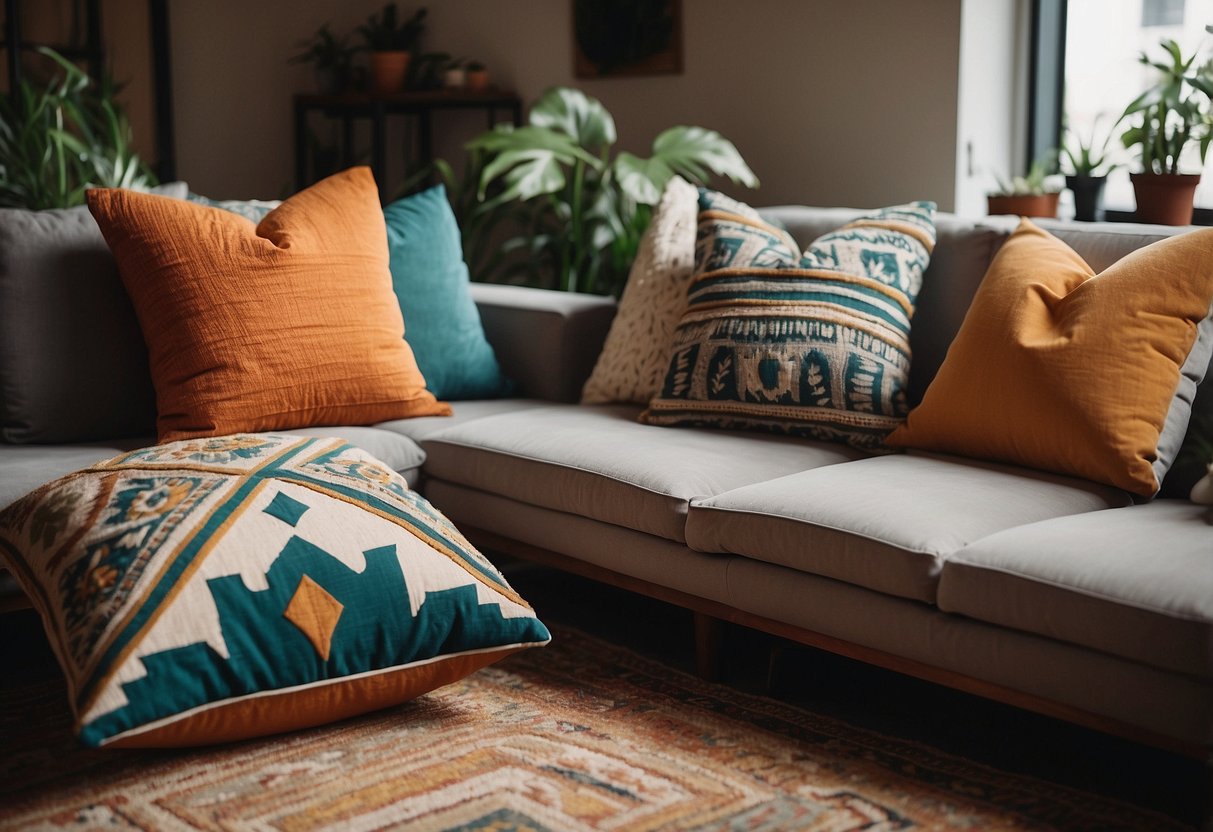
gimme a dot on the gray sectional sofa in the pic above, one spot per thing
(1051, 593)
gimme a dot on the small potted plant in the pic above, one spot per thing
(331, 57)
(455, 75)
(1090, 166)
(1031, 195)
(391, 42)
(1174, 111)
(477, 76)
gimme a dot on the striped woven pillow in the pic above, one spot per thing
(813, 345)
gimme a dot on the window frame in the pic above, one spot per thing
(1047, 88)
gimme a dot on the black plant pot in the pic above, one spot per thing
(1088, 197)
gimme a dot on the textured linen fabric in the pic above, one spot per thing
(1174, 705)
(598, 462)
(285, 324)
(73, 366)
(214, 589)
(1106, 580)
(431, 282)
(887, 523)
(812, 345)
(1063, 370)
(637, 349)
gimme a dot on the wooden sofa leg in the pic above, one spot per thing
(707, 646)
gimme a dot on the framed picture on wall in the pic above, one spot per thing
(619, 38)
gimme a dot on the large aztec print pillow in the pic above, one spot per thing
(814, 344)
(214, 589)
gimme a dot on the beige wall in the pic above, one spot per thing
(832, 102)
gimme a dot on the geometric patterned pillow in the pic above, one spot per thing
(814, 345)
(214, 589)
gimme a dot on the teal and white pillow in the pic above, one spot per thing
(813, 344)
(214, 589)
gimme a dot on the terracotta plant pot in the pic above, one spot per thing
(478, 79)
(389, 70)
(1024, 205)
(1088, 197)
(1165, 198)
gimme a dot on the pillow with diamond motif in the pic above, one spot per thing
(214, 589)
(814, 344)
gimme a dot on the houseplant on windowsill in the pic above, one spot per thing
(1165, 118)
(1031, 195)
(1090, 166)
(391, 42)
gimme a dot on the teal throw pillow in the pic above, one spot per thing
(441, 322)
(814, 344)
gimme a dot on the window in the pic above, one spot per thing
(1102, 74)
(1162, 13)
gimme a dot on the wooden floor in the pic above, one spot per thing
(978, 729)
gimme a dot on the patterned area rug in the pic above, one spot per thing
(579, 735)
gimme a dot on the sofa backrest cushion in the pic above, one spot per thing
(73, 366)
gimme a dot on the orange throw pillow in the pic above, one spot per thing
(1059, 369)
(285, 324)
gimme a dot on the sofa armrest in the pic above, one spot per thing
(546, 341)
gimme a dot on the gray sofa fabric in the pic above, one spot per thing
(423, 427)
(73, 366)
(1136, 582)
(628, 552)
(547, 342)
(25, 467)
(598, 462)
(1174, 705)
(887, 523)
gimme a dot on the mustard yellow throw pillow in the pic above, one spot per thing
(1060, 369)
(282, 324)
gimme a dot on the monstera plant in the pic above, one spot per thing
(581, 211)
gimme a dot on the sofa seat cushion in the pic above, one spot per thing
(423, 427)
(25, 467)
(600, 463)
(885, 523)
(1135, 582)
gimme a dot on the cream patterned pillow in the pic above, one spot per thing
(637, 350)
(215, 589)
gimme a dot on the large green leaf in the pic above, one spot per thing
(526, 175)
(689, 150)
(642, 179)
(576, 115)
